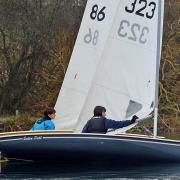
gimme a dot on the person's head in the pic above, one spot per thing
(100, 111)
(49, 113)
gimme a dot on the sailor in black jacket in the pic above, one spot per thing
(100, 124)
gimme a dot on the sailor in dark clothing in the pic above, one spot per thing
(100, 124)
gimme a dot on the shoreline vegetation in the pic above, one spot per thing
(24, 122)
(36, 42)
(21, 122)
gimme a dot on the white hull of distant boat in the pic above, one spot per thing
(70, 147)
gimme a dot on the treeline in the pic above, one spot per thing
(169, 96)
(36, 41)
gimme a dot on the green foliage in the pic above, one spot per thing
(18, 123)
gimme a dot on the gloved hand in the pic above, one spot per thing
(133, 120)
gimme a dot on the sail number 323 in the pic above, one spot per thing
(146, 10)
(136, 33)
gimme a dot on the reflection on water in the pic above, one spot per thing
(19, 170)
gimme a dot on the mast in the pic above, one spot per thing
(158, 56)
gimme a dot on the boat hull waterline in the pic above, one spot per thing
(55, 146)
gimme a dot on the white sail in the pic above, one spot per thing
(126, 77)
(92, 36)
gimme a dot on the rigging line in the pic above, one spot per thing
(23, 160)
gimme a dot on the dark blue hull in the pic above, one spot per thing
(70, 147)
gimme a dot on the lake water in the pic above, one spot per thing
(19, 170)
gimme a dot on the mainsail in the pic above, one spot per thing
(96, 24)
(118, 71)
(125, 80)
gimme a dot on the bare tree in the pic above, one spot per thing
(170, 63)
(27, 32)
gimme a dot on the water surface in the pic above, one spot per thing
(21, 170)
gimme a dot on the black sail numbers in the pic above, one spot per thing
(96, 13)
(141, 8)
(139, 31)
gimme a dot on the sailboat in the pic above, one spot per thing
(115, 63)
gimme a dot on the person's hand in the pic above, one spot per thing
(133, 120)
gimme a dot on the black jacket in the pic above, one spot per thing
(102, 124)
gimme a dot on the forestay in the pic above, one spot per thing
(125, 79)
(95, 27)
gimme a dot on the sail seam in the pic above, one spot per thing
(119, 92)
(75, 90)
(127, 42)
